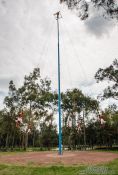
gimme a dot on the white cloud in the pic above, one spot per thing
(28, 36)
(99, 26)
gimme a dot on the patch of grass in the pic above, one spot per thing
(113, 166)
(110, 168)
(54, 170)
(107, 169)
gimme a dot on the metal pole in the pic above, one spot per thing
(59, 87)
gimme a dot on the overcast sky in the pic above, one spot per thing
(28, 38)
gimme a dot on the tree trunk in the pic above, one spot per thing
(23, 138)
(34, 139)
(20, 141)
(13, 138)
(7, 139)
(0, 141)
(84, 130)
(26, 141)
(117, 136)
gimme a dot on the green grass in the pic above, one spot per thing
(110, 168)
(54, 170)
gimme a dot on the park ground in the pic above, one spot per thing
(50, 163)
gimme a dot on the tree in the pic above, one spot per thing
(9, 113)
(48, 135)
(26, 108)
(71, 107)
(109, 74)
(76, 107)
(36, 99)
(89, 106)
(112, 115)
(27, 97)
(108, 7)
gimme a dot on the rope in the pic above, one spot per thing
(75, 52)
(45, 44)
(67, 62)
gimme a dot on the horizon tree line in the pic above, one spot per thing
(28, 117)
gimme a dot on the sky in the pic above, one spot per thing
(28, 38)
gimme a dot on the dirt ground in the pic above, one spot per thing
(52, 158)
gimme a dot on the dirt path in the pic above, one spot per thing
(52, 158)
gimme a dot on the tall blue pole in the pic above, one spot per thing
(59, 88)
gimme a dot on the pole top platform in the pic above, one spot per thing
(58, 15)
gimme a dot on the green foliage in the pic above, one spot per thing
(109, 74)
(48, 136)
(76, 107)
(58, 170)
(108, 7)
(35, 99)
(39, 105)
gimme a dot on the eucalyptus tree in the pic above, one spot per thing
(2, 130)
(26, 108)
(109, 74)
(47, 101)
(76, 107)
(9, 113)
(35, 98)
(103, 135)
(89, 106)
(71, 107)
(109, 8)
(27, 95)
(48, 136)
(72, 103)
(111, 114)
